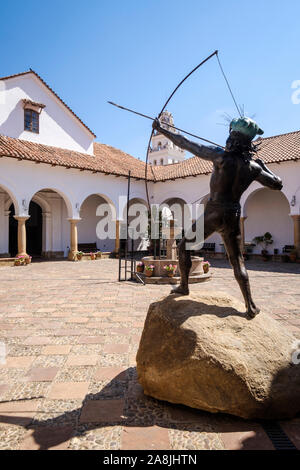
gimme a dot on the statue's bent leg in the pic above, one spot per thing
(232, 242)
(184, 255)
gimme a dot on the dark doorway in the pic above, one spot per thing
(13, 232)
(34, 231)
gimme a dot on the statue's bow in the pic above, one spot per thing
(215, 53)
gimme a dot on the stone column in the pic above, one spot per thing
(117, 239)
(171, 243)
(73, 239)
(242, 226)
(296, 220)
(21, 234)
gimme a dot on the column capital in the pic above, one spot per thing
(295, 216)
(74, 221)
(21, 217)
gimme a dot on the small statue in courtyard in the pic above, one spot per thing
(233, 172)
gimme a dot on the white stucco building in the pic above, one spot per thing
(53, 176)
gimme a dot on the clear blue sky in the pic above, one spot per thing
(136, 51)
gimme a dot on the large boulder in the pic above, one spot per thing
(202, 351)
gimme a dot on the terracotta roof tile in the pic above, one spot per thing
(191, 167)
(276, 149)
(109, 160)
(106, 159)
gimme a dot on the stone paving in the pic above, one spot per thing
(69, 382)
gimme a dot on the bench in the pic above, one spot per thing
(288, 248)
(211, 247)
(206, 248)
(87, 247)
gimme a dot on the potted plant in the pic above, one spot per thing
(293, 256)
(28, 259)
(20, 259)
(98, 254)
(149, 268)
(206, 266)
(140, 267)
(264, 240)
(79, 255)
(93, 255)
(170, 269)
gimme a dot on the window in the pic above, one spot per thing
(161, 161)
(155, 162)
(31, 121)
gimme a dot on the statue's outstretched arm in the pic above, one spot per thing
(202, 151)
(266, 177)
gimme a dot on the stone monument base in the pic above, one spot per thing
(202, 351)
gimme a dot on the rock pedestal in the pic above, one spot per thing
(202, 351)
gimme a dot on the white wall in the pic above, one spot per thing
(268, 211)
(58, 126)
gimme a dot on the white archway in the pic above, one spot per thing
(11, 192)
(138, 208)
(7, 199)
(267, 210)
(98, 222)
(56, 209)
(68, 200)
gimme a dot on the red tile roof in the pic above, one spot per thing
(106, 159)
(190, 167)
(280, 148)
(109, 160)
(276, 149)
(52, 91)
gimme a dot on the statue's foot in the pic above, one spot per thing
(180, 290)
(252, 311)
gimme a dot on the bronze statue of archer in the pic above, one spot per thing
(233, 172)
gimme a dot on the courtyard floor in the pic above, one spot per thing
(69, 382)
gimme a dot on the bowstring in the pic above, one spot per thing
(228, 85)
(216, 53)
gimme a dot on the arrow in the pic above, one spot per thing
(177, 128)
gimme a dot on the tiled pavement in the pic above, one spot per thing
(69, 382)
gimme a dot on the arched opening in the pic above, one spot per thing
(176, 208)
(48, 229)
(94, 228)
(13, 232)
(7, 200)
(34, 231)
(268, 211)
(137, 219)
